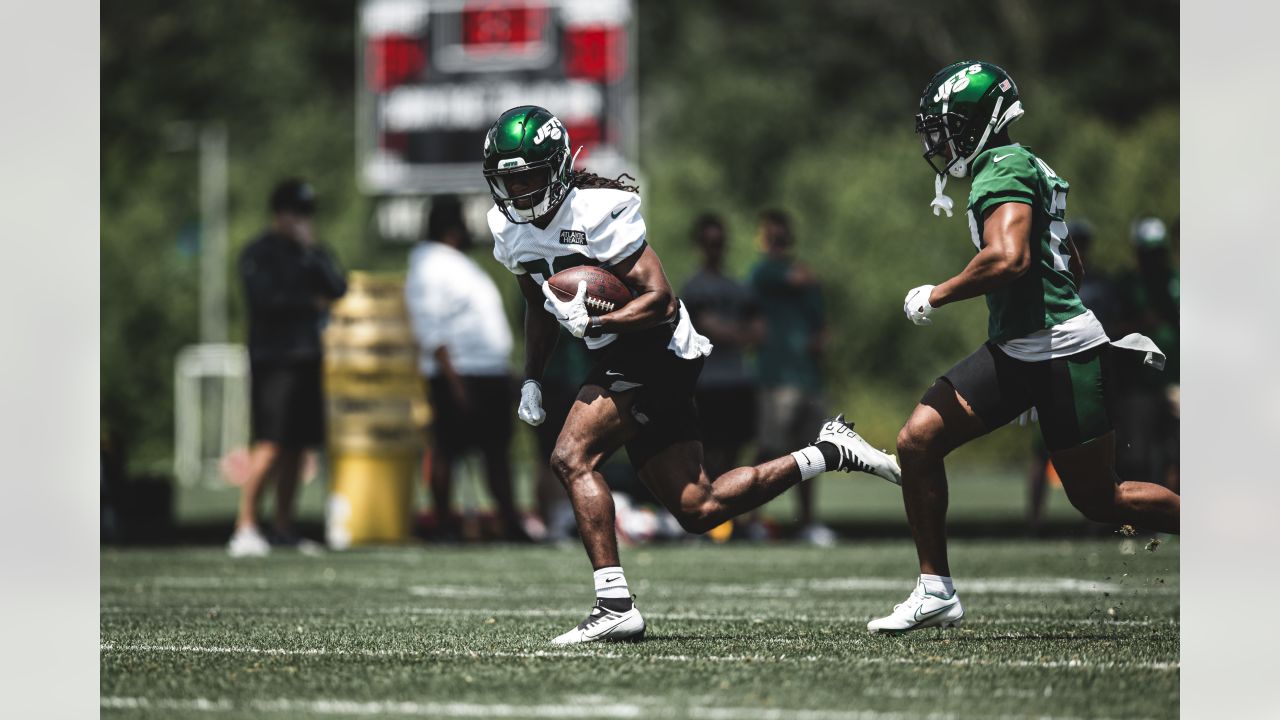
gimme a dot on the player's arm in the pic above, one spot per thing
(654, 303)
(1006, 230)
(540, 329)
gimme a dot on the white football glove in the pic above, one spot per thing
(530, 409)
(572, 314)
(917, 305)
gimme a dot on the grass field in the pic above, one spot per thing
(737, 631)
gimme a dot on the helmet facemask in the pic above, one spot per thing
(945, 138)
(527, 164)
(962, 108)
(938, 134)
(526, 192)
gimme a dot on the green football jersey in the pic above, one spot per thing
(1046, 295)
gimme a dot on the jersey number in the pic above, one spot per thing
(540, 269)
(1058, 229)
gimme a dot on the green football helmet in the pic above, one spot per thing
(964, 104)
(527, 163)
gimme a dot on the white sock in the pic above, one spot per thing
(811, 462)
(938, 584)
(611, 583)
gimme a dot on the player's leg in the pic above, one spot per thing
(1077, 428)
(976, 395)
(942, 422)
(1088, 476)
(668, 457)
(810, 413)
(676, 477)
(597, 425)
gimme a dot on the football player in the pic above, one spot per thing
(646, 358)
(1045, 349)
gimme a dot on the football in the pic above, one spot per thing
(605, 292)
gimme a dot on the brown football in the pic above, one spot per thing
(605, 292)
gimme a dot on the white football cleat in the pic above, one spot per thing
(920, 610)
(248, 542)
(606, 624)
(856, 453)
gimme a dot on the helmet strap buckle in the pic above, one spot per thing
(941, 202)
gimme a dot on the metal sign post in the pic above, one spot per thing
(213, 232)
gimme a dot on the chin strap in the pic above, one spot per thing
(941, 203)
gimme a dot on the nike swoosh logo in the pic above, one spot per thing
(611, 373)
(617, 212)
(616, 621)
(928, 615)
(998, 158)
(615, 577)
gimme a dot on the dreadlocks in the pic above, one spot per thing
(588, 180)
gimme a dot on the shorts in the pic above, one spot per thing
(287, 403)
(485, 424)
(663, 384)
(1069, 393)
(728, 414)
(790, 418)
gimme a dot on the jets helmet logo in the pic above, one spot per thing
(550, 129)
(957, 82)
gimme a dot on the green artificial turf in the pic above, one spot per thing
(1059, 629)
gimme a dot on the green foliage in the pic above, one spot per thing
(745, 104)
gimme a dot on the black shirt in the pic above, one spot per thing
(287, 287)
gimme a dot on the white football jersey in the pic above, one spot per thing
(595, 226)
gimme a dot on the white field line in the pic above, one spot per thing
(789, 588)
(484, 654)
(574, 611)
(384, 708)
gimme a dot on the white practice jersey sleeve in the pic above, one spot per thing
(619, 230)
(592, 227)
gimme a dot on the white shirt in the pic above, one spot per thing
(596, 226)
(454, 304)
(1066, 338)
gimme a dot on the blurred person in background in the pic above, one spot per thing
(1045, 349)
(789, 361)
(1147, 407)
(464, 352)
(290, 280)
(724, 309)
(1098, 293)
